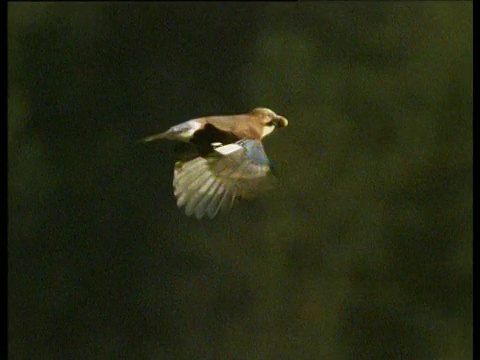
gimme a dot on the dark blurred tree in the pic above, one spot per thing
(364, 251)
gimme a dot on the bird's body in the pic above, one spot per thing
(231, 163)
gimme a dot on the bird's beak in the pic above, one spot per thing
(280, 121)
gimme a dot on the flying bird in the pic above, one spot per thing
(231, 162)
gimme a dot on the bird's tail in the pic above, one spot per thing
(155, 137)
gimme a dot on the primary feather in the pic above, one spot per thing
(206, 185)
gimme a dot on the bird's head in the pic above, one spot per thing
(270, 120)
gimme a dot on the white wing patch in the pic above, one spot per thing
(228, 149)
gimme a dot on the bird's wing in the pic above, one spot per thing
(206, 185)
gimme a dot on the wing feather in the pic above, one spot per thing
(207, 185)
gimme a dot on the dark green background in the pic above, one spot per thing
(363, 251)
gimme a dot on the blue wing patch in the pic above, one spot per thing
(255, 152)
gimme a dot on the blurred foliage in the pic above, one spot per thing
(363, 252)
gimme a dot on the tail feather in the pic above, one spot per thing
(155, 137)
(181, 132)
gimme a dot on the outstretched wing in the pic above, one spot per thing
(207, 185)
